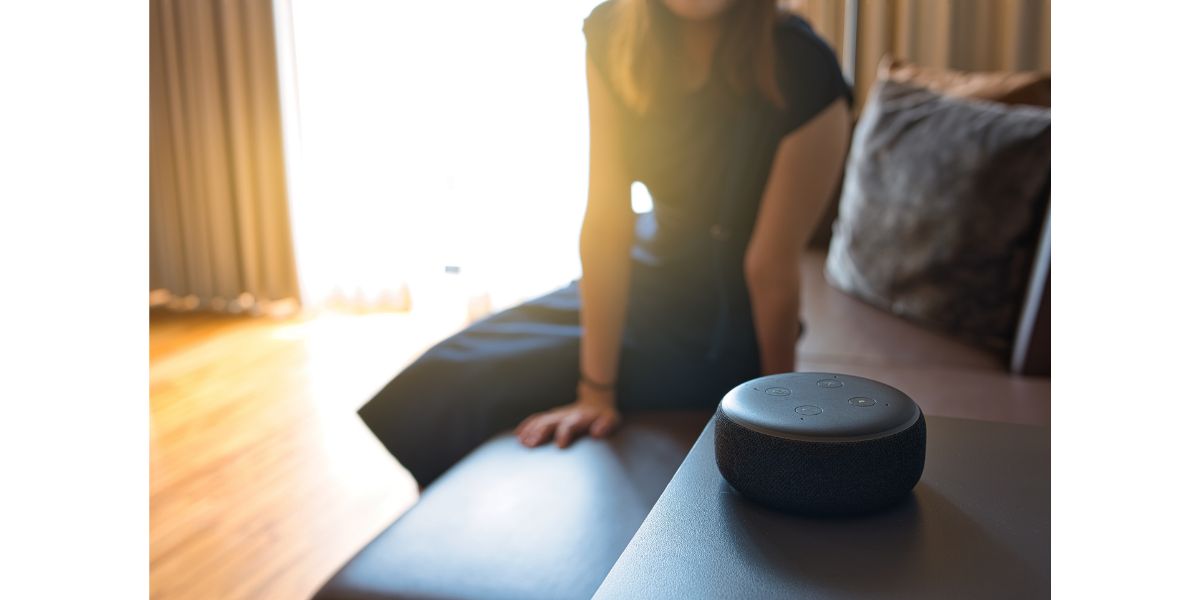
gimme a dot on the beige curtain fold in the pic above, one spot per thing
(219, 226)
(968, 35)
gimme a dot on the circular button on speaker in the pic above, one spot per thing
(829, 383)
(862, 401)
(778, 391)
(808, 409)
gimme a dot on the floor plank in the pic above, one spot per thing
(263, 480)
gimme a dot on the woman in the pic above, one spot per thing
(736, 118)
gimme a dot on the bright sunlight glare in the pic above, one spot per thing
(435, 138)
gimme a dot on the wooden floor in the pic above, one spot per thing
(263, 481)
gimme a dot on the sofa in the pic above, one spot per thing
(511, 522)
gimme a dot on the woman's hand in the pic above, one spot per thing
(593, 412)
(604, 242)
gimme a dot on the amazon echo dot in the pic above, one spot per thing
(820, 443)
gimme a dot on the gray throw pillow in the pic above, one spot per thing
(940, 209)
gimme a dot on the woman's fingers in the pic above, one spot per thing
(526, 426)
(538, 430)
(565, 425)
(569, 428)
(520, 430)
(603, 425)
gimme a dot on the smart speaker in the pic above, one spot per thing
(820, 443)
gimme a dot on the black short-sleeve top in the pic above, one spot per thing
(705, 159)
(711, 143)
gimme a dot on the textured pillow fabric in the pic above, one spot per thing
(1007, 87)
(940, 209)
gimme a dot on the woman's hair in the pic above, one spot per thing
(646, 42)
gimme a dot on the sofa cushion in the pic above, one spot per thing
(511, 522)
(941, 208)
(945, 375)
(1007, 87)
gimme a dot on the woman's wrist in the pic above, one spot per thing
(597, 386)
(586, 394)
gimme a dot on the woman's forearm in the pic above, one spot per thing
(807, 165)
(604, 239)
(775, 303)
(604, 294)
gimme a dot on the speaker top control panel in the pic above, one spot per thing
(820, 406)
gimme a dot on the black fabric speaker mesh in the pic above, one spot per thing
(820, 478)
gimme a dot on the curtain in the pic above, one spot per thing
(968, 35)
(219, 224)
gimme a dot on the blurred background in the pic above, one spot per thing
(335, 186)
(426, 155)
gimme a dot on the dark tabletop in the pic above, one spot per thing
(977, 526)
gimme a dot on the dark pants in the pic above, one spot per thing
(488, 377)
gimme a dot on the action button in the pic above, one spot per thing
(829, 383)
(808, 409)
(778, 391)
(862, 401)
